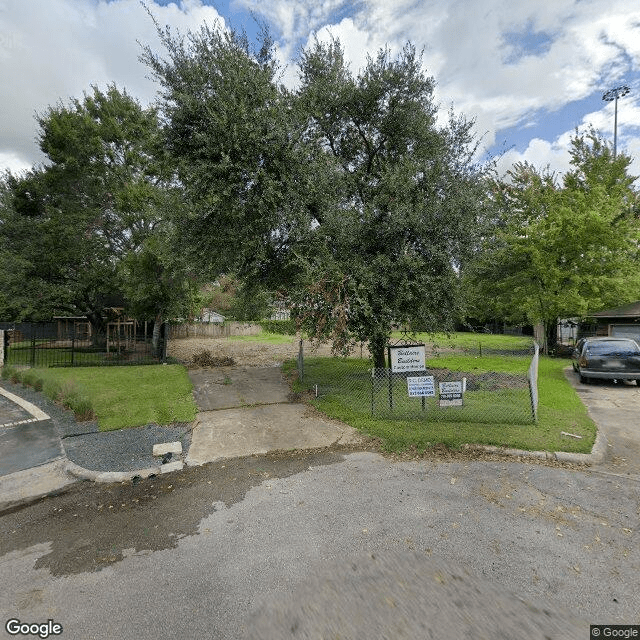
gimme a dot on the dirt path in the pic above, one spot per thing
(244, 353)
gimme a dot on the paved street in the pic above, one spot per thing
(196, 553)
(264, 545)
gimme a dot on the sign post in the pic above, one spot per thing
(404, 358)
(421, 387)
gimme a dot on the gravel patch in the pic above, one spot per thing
(120, 450)
(125, 449)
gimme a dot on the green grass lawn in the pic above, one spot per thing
(130, 396)
(498, 416)
(265, 338)
(475, 341)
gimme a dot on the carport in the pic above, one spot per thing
(622, 322)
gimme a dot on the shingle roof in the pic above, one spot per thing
(627, 311)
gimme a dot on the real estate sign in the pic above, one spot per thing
(421, 386)
(407, 358)
(451, 393)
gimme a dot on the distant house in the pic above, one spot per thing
(622, 322)
(209, 315)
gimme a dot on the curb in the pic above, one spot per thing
(121, 476)
(597, 455)
(37, 413)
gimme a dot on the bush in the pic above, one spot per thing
(8, 371)
(31, 379)
(69, 396)
(281, 327)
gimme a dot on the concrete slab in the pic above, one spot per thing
(616, 410)
(36, 412)
(171, 466)
(28, 445)
(246, 431)
(167, 447)
(32, 483)
(227, 387)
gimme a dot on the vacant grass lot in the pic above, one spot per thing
(472, 341)
(130, 396)
(509, 423)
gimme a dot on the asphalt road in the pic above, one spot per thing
(219, 550)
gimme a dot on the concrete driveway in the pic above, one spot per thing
(616, 410)
(249, 410)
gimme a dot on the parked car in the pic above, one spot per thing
(606, 358)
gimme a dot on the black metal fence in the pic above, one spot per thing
(74, 343)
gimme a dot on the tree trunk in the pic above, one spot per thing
(98, 329)
(155, 338)
(550, 336)
(377, 345)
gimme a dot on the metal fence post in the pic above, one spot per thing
(532, 378)
(33, 349)
(301, 362)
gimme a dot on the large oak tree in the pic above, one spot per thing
(347, 195)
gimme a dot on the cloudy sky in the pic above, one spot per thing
(528, 71)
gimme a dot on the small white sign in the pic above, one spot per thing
(451, 393)
(407, 358)
(421, 386)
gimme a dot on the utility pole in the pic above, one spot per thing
(612, 96)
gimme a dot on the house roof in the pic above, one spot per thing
(627, 311)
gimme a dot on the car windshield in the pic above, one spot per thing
(612, 347)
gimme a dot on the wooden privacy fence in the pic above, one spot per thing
(208, 330)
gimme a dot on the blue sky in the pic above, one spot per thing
(528, 71)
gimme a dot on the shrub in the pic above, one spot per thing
(69, 396)
(7, 371)
(281, 327)
(31, 379)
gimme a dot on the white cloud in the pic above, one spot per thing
(52, 50)
(555, 154)
(588, 43)
(478, 51)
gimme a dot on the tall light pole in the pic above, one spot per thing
(612, 96)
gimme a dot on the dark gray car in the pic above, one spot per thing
(606, 358)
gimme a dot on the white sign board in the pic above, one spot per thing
(421, 386)
(451, 393)
(407, 358)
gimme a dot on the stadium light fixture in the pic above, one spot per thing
(612, 96)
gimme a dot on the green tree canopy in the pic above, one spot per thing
(559, 249)
(406, 203)
(102, 194)
(347, 194)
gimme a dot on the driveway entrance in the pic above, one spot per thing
(616, 410)
(249, 410)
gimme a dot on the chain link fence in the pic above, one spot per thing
(451, 392)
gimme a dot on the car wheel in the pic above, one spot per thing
(583, 379)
